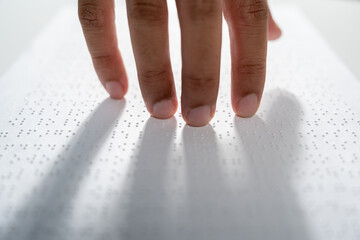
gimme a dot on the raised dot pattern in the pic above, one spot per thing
(75, 164)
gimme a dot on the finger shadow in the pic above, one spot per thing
(270, 201)
(45, 214)
(206, 202)
(147, 215)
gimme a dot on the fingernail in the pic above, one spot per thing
(114, 89)
(247, 106)
(164, 109)
(199, 116)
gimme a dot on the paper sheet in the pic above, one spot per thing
(75, 164)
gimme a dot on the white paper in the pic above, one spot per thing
(75, 164)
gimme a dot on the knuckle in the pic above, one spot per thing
(91, 15)
(103, 61)
(253, 69)
(147, 11)
(200, 83)
(251, 11)
(155, 79)
(203, 10)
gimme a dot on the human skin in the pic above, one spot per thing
(250, 26)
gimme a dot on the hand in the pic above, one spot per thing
(250, 26)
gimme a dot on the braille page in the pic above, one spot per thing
(75, 164)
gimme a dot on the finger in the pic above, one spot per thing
(248, 22)
(274, 31)
(200, 23)
(97, 19)
(148, 21)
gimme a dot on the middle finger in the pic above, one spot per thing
(200, 23)
(148, 22)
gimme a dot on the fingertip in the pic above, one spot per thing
(199, 116)
(115, 89)
(274, 32)
(247, 106)
(164, 109)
